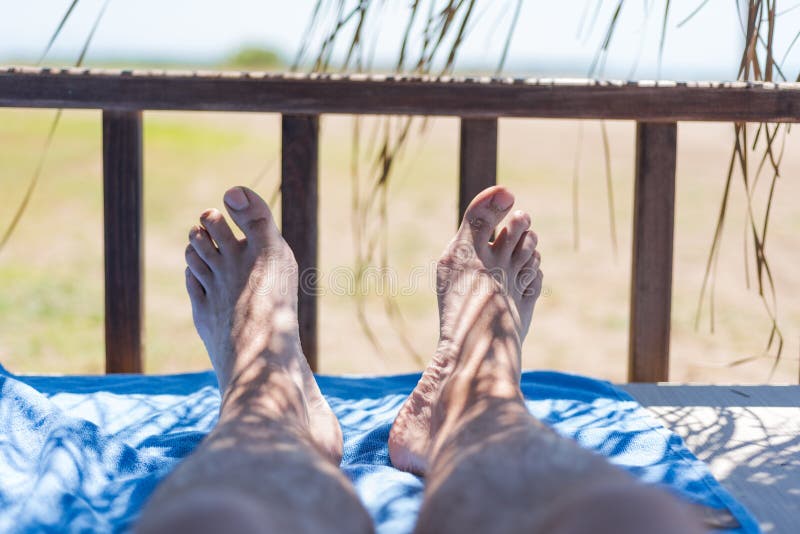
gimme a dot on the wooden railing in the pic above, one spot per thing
(657, 107)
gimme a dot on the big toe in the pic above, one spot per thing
(252, 215)
(484, 213)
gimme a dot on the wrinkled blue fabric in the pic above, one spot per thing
(80, 453)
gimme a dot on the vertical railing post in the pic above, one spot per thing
(651, 274)
(299, 207)
(122, 214)
(478, 159)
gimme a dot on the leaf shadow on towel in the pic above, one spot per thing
(84, 453)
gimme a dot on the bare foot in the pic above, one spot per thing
(474, 277)
(244, 304)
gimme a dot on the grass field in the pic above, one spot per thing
(51, 289)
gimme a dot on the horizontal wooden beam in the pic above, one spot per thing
(465, 97)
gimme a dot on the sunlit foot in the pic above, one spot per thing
(474, 277)
(244, 305)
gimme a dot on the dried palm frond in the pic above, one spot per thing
(596, 69)
(757, 64)
(452, 20)
(34, 180)
(440, 28)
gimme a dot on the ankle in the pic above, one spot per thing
(271, 389)
(461, 427)
(482, 366)
(467, 397)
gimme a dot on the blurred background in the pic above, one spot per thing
(564, 172)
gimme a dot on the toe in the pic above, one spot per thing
(528, 273)
(204, 246)
(252, 215)
(510, 235)
(197, 266)
(217, 227)
(194, 287)
(534, 288)
(484, 213)
(525, 249)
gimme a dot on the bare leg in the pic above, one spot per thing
(271, 463)
(490, 466)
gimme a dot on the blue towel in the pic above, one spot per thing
(82, 453)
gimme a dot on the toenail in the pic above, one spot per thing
(209, 215)
(236, 198)
(502, 200)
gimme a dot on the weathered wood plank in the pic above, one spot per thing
(299, 209)
(464, 97)
(651, 273)
(124, 270)
(478, 160)
(749, 436)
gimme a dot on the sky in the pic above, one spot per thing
(551, 38)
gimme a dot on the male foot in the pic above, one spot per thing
(244, 305)
(486, 291)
